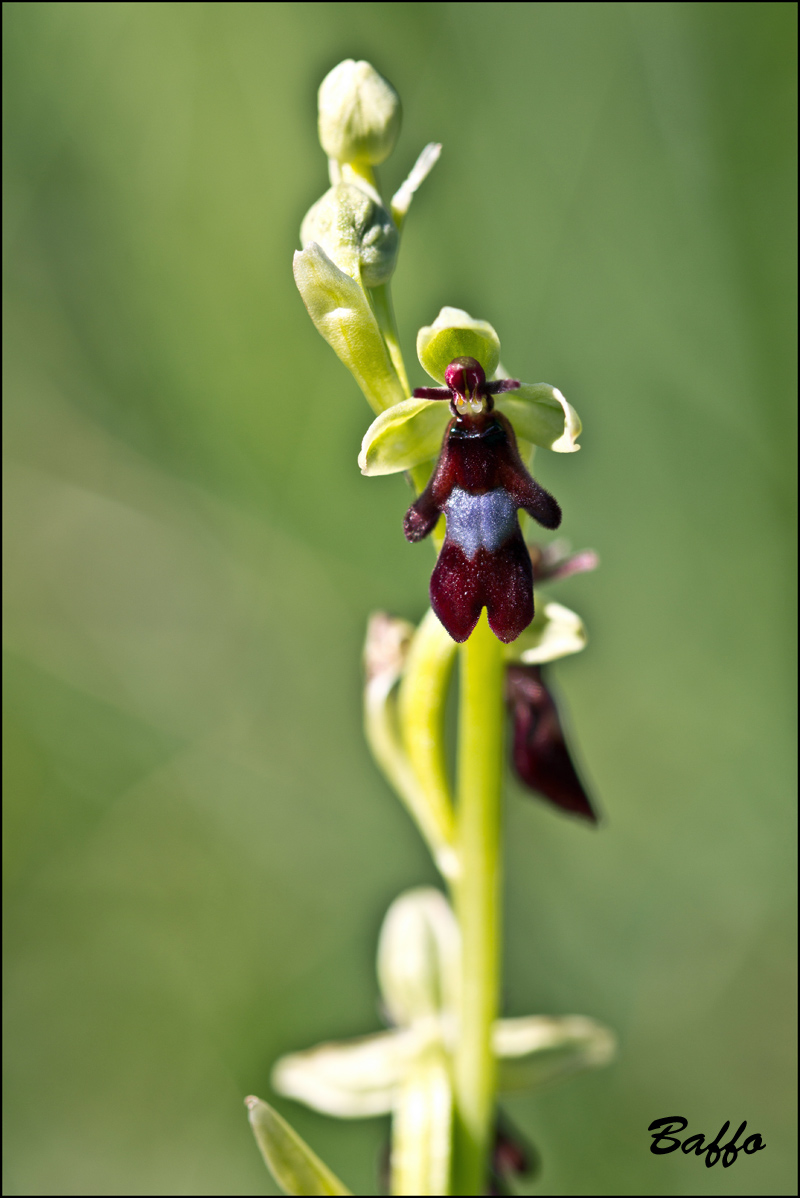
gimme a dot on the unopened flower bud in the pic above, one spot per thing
(356, 233)
(418, 956)
(359, 114)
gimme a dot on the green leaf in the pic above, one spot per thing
(422, 1128)
(540, 414)
(455, 334)
(296, 1169)
(342, 314)
(350, 1080)
(537, 1049)
(404, 436)
(554, 632)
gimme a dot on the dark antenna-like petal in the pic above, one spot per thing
(497, 386)
(432, 393)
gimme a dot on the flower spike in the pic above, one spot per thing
(479, 483)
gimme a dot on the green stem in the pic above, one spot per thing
(477, 900)
(384, 314)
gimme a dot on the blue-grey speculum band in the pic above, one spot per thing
(480, 521)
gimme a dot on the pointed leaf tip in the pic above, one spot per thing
(419, 172)
(296, 1169)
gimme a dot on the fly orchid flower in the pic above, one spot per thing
(407, 1070)
(479, 483)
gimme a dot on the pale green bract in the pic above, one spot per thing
(540, 414)
(341, 312)
(289, 1159)
(554, 632)
(401, 200)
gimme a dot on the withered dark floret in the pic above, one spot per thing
(513, 1157)
(554, 562)
(540, 754)
(479, 482)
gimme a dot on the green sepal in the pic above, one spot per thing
(537, 1049)
(353, 1079)
(554, 632)
(296, 1169)
(455, 334)
(341, 312)
(540, 414)
(405, 435)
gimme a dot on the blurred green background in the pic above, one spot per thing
(199, 850)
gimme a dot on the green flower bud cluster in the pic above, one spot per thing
(350, 237)
(355, 231)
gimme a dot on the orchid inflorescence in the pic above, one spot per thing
(465, 445)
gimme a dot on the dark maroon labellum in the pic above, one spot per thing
(541, 757)
(480, 482)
